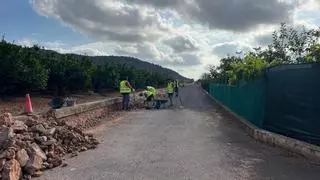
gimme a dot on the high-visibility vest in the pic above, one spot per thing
(151, 90)
(170, 87)
(149, 93)
(124, 88)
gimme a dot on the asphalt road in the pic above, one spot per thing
(195, 140)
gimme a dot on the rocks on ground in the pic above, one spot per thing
(22, 157)
(11, 170)
(30, 145)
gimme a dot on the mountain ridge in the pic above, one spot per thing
(132, 62)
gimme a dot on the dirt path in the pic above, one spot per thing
(15, 105)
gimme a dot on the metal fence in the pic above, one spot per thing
(246, 99)
(286, 101)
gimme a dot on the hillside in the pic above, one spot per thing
(134, 62)
(129, 61)
(34, 69)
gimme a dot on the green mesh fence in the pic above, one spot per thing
(293, 101)
(247, 99)
(285, 101)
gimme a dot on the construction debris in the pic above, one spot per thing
(6, 119)
(11, 170)
(22, 157)
(30, 145)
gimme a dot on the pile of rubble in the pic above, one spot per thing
(30, 146)
(137, 100)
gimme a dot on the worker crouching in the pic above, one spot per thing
(150, 93)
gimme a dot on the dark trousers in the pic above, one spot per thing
(176, 91)
(170, 95)
(125, 101)
(150, 98)
(149, 102)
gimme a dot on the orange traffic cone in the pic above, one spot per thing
(28, 105)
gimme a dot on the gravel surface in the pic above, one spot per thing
(194, 140)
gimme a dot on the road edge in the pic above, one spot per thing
(309, 151)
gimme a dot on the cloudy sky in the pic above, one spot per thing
(184, 35)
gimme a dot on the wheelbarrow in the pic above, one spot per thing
(161, 103)
(56, 103)
(156, 103)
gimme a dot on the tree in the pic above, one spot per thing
(291, 43)
(34, 69)
(20, 68)
(219, 73)
(314, 54)
(250, 68)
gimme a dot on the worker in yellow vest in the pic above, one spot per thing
(170, 91)
(125, 90)
(150, 93)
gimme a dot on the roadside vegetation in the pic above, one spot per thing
(33, 69)
(290, 45)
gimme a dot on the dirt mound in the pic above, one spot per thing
(31, 145)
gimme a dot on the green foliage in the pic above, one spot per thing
(33, 69)
(248, 69)
(20, 68)
(219, 74)
(290, 45)
(108, 77)
(314, 54)
(105, 77)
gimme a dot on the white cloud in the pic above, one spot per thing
(112, 20)
(185, 35)
(181, 44)
(230, 49)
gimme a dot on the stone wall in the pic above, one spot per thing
(88, 113)
(91, 113)
(85, 107)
